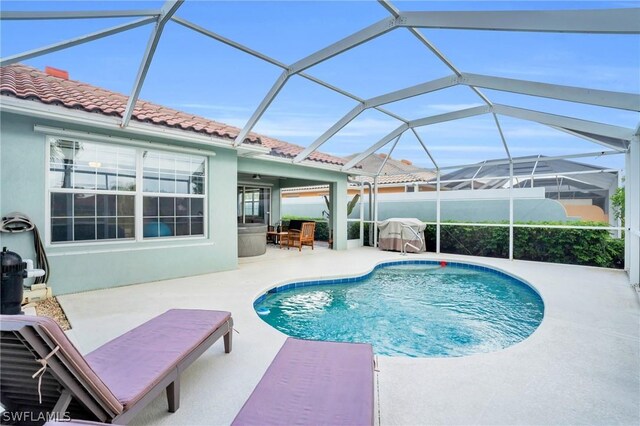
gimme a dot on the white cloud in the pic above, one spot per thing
(368, 127)
(607, 77)
(292, 124)
(233, 121)
(212, 107)
(463, 148)
(289, 129)
(441, 108)
(312, 126)
(524, 132)
(474, 139)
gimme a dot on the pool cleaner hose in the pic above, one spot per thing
(16, 222)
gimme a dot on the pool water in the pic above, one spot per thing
(415, 310)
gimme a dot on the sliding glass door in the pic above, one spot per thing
(254, 204)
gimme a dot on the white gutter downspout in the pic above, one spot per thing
(375, 212)
(511, 210)
(437, 210)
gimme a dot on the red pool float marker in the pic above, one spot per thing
(443, 263)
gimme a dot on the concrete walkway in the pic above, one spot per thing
(582, 365)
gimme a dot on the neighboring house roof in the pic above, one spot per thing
(394, 171)
(25, 82)
(496, 176)
(306, 189)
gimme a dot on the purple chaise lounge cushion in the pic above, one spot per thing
(133, 363)
(314, 383)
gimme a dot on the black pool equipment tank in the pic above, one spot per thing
(13, 274)
(14, 271)
(16, 222)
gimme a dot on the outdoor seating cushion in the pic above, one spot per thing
(314, 383)
(131, 364)
(296, 224)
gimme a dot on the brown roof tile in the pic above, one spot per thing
(394, 171)
(24, 82)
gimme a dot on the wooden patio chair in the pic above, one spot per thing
(303, 237)
(271, 237)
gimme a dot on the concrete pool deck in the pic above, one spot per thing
(582, 365)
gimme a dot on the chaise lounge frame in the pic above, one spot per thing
(68, 384)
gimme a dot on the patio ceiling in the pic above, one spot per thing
(612, 138)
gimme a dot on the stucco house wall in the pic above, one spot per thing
(110, 232)
(92, 265)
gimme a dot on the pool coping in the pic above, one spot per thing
(346, 279)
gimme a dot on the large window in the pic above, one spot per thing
(90, 216)
(173, 190)
(94, 191)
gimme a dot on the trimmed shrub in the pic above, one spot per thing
(591, 247)
(353, 230)
(615, 247)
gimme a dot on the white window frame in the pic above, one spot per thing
(246, 184)
(140, 191)
(138, 195)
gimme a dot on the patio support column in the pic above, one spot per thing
(275, 212)
(618, 222)
(632, 212)
(438, 210)
(361, 214)
(375, 211)
(338, 196)
(511, 210)
(609, 211)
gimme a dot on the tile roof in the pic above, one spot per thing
(25, 82)
(394, 171)
(405, 178)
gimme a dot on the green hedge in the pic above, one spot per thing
(592, 247)
(322, 228)
(354, 232)
(470, 240)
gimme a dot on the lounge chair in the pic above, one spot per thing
(314, 383)
(302, 237)
(42, 372)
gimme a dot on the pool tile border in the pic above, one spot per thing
(346, 280)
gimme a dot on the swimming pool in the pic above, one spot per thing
(415, 308)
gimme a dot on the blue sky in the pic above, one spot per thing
(196, 74)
